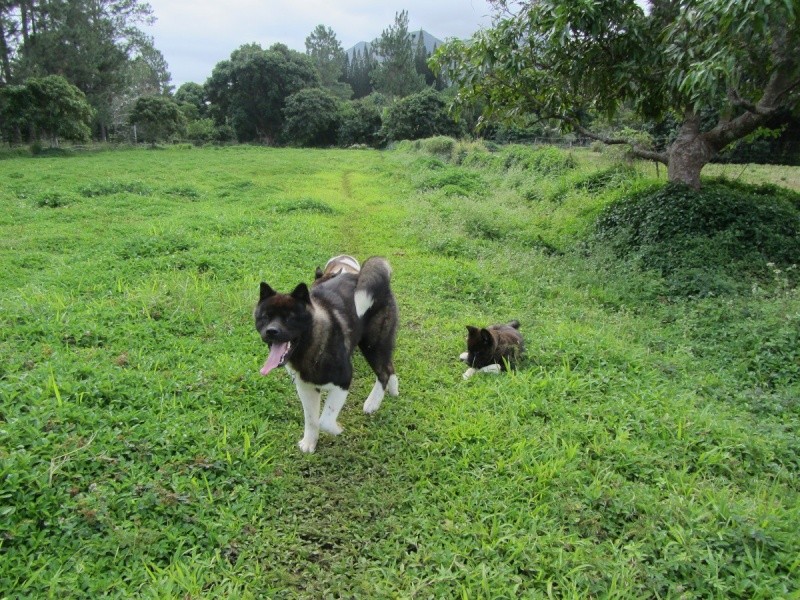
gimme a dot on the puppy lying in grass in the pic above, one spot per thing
(492, 349)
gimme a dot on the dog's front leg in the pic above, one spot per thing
(309, 397)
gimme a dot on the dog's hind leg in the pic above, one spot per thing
(375, 397)
(394, 386)
(386, 381)
(333, 404)
(310, 398)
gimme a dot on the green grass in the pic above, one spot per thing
(647, 448)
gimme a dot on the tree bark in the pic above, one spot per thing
(689, 153)
(4, 51)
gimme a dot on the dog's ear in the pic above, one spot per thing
(486, 337)
(301, 293)
(318, 273)
(265, 292)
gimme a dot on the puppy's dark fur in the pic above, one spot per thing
(500, 345)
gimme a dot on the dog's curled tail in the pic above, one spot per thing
(372, 287)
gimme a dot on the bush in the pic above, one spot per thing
(361, 122)
(418, 116)
(157, 119)
(455, 181)
(545, 161)
(718, 240)
(201, 131)
(440, 145)
(311, 118)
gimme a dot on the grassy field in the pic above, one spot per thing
(649, 447)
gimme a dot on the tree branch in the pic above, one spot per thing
(781, 83)
(636, 150)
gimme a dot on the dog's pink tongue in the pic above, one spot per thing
(276, 352)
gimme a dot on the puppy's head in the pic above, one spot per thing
(480, 347)
(281, 320)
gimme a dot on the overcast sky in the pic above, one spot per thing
(194, 35)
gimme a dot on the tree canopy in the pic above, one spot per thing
(156, 118)
(721, 68)
(91, 43)
(394, 72)
(48, 108)
(328, 57)
(249, 91)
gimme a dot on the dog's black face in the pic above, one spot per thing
(480, 348)
(281, 320)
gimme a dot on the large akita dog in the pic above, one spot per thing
(313, 333)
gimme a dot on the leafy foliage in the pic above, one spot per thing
(418, 116)
(157, 118)
(312, 118)
(249, 90)
(50, 107)
(361, 121)
(98, 46)
(709, 242)
(566, 60)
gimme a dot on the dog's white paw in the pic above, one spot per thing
(494, 369)
(469, 373)
(307, 444)
(463, 356)
(332, 428)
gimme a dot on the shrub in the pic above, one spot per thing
(201, 131)
(455, 181)
(418, 116)
(545, 161)
(311, 118)
(157, 118)
(360, 122)
(441, 145)
(712, 241)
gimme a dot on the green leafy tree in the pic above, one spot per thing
(15, 105)
(47, 108)
(89, 42)
(191, 97)
(329, 58)
(566, 59)
(362, 120)
(249, 91)
(419, 116)
(145, 75)
(394, 73)
(156, 118)
(358, 70)
(421, 56)
(311, 118)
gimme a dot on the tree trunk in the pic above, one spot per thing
(689, 153)
(4, 54)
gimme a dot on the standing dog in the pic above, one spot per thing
(492, 349)
(313, 333)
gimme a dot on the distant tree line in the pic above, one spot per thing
(83, 69)
(89, 63)
(95, 47)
